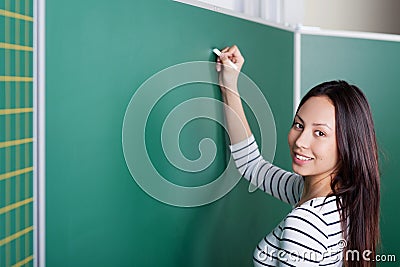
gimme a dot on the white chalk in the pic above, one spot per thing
(218, 53)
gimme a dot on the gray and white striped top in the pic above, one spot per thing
(311, 234)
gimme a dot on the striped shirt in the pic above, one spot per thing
(311, 234)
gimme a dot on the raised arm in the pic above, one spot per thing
(236, 121)
(281, 184)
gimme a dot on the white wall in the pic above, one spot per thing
(293, 11)
(229, 4)
(278, 11)
(357, 15)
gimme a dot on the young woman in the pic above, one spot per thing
(334, 189)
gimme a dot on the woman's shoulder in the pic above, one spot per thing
(321, 212)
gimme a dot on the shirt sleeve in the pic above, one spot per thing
(284, 185)
(303, 238)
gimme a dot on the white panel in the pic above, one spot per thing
(39, 166)
(237, 14)
(252, 7)
(296, 70)
(293, 12)
(229, 4)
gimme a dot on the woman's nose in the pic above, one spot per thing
(303, 140)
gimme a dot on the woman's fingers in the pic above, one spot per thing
(225, 49)
(231, 53)
(234, 50)
(236, 55)
(219, 64)
(225, 53)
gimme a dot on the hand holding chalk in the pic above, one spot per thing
(230, 63)
(229, 71)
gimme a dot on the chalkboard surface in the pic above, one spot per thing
(98, 54)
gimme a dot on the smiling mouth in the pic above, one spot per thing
(303, 158)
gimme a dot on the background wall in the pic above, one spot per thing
(356, 15)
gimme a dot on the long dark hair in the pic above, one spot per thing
(357, 180)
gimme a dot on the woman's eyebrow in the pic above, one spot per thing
(300, 118)
(315, 124)
(321, 124)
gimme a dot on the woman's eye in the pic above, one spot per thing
(297, 125)
(319, 133)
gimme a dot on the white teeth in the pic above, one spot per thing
(302, 158)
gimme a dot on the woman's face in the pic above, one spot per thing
(312, 139)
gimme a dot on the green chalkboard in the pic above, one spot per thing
(98, 54)
(374, 66)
